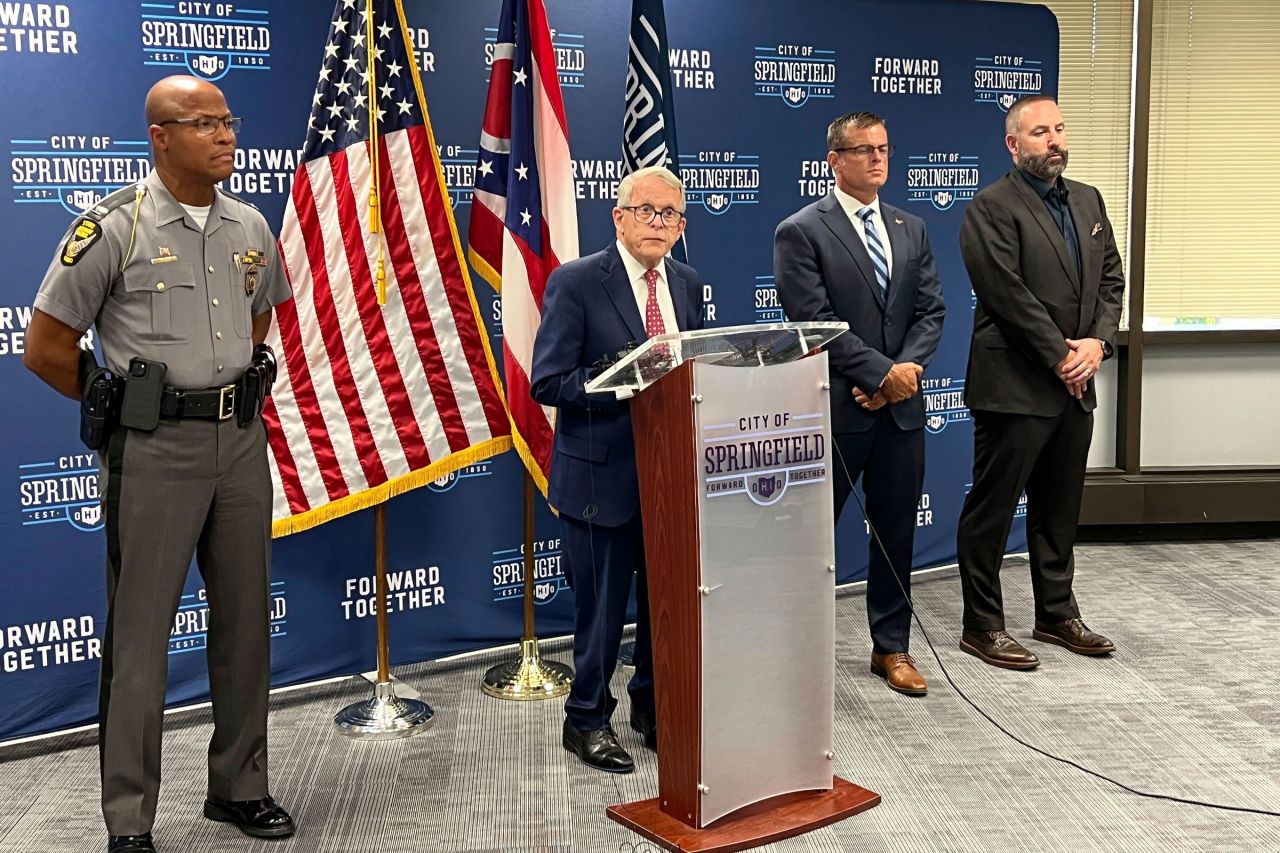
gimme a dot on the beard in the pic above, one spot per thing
(1043, 166)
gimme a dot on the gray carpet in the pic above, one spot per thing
(1187, 707)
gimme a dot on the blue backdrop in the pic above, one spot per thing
(753, 144)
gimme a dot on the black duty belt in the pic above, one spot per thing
(213, 404)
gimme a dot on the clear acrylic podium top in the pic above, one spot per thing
(732, 346)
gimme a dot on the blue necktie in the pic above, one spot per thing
(875, 249)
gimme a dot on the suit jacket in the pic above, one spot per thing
(1031, 297)
(589, 310)
(823, 272)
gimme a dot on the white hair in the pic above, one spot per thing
(662, 173)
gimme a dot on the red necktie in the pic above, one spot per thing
(653, 325)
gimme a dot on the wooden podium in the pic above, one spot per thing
(733, 453)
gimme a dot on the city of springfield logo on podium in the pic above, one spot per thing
(207, 39)
(74, 170)
(942, 178)
(1001, 79)
(796, 73)
(720, 179)
(763, 454)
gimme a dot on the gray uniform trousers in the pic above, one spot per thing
(191, 486)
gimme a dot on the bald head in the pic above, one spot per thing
(173, 97)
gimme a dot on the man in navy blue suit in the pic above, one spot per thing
(596, 306)
(851, 257)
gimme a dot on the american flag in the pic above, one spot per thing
(524, 219)
(373, 400)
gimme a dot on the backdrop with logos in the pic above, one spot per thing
(754, 92)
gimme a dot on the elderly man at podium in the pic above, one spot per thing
(595, 307)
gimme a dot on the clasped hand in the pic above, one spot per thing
(902, 383)
(1080, 365)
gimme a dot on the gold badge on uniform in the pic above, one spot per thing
(86, 233)
(251, 262)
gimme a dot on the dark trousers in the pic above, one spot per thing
(601, 563)
(1046, 458)
(190, 487)
(890, 461)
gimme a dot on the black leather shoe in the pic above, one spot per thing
(130, 844)
(260, 818)
(1073, 634)
(598, 748)
(998, 649)
(644, 723)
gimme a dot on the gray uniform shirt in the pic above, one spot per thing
(182, 296)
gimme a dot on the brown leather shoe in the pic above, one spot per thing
(998, 649)
(898, 669)
(1073, 634)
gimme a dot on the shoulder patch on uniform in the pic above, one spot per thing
(85, 234)
(119, 198)
(235, 197)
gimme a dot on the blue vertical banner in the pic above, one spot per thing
(649, 117)
(754, 92)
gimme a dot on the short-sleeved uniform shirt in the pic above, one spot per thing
(180, 295)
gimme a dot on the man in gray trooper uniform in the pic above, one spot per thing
(174, 270)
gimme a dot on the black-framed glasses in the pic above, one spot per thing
(208, 125)
(865, 151)
(644, 214)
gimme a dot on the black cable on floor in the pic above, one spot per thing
(992, 720)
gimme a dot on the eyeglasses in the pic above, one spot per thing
(644, 214)
(864, 151)
(208, 125)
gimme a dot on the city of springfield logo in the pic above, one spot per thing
(768, 308)
(943, 403)
(1002, 79)
(459, 165)
(548, 572)
(942, 179)
(720, 179)
(62, 491)
(450, 480)
(74, 170)
(208, 40)
(762, 455)
(796, 73)
(190, 632)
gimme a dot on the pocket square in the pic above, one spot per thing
(1097, 226)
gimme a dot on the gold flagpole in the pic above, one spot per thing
(529, 676)
(386, 715)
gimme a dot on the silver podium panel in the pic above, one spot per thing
(767, 542)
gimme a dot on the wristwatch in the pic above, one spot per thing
(1107, 349)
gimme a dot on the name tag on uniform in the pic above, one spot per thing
(165, 256)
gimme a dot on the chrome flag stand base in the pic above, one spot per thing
(385, 716)
(529, 677)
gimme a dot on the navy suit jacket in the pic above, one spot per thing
(589, 310)
(823, 272)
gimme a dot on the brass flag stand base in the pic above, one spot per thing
(386, 715)
(529, 676)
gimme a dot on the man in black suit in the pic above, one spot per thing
(1043, 262)
(596, 306)
(851, 257)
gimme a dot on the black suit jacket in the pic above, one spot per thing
(590, 310)
(1031, 297)
(823, 272)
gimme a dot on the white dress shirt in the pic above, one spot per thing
(640, 288)
(851, 207)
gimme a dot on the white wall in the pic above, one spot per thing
(1102, 452)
